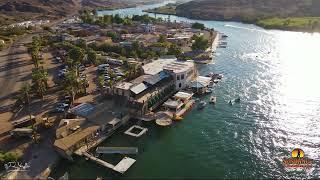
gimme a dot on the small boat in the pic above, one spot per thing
(216, 81)
(237, 100)
(230, 102)
(209, 91)
(220, 76)
(210, 74)
(224, 36)
(211, 84)
(164, 122)
(213, 99)
(177, 118)
(202, 104)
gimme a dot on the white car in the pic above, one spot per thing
(103, 67)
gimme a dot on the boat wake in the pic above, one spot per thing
(250, 29)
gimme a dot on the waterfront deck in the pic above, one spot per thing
(121, 167)
(131, 133)
(187, 107)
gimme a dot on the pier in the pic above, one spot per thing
(121, 167)
(117, 150)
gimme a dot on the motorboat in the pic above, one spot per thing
(216, 81)
(213, 99)
(202, 104)
(220, 76)
(209, 91)
(210, 74)
(224, 36)
(237, 100)
(211, 84)
(177, 118)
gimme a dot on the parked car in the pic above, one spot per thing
(63, 105)
(103, 67)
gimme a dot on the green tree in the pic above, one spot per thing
(113, 35)
(40, 81)
(198, 26)
(71, 84)
(25, 93)
(162, 38)
(174, 50)
(92, 56)
(77, 55)
(101, 80)
(117, 19)
(200, 43)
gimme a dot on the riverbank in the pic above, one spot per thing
(291, 20)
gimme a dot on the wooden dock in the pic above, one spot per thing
(117, 150)
(121, 167)
(99, 161)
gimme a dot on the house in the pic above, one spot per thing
(183, 72)
(126, 44)
(88, 123)
(123, 89)
(148, 28)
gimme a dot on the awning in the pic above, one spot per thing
(114, 121)
(139, 88)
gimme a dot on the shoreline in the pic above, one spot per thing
(238, 21)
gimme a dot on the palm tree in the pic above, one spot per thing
(71, 84)
(40, 81)
(25, 93)
(35, 58)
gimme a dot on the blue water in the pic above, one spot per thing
(276, 74)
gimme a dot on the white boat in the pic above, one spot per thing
(209, 91)
(213, 99)
(202, 104)
(220, 76)
(216, 81)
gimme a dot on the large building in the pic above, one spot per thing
(182, 72)
(161, 79)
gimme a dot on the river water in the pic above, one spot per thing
(276, 74)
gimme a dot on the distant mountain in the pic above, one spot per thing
(57, 7)
(19, 10)
(248, 9)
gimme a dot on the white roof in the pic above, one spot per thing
(124, 85)
(201, 81)
(139, 88)
(183, 95)
(156, 66)
(179, 66)
(173, 104)
(114, 121)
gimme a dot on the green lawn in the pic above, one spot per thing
(311, 24)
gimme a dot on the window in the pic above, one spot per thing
(182, 76)
(178, 77)
(179, 85)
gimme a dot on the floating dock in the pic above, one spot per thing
(121, 167)
(142, 131)
(117, 150)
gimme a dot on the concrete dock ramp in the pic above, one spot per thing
(124, 165)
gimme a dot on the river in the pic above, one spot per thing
(276, 74)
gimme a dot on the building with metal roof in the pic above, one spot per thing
(139, 88)
(156, 66)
